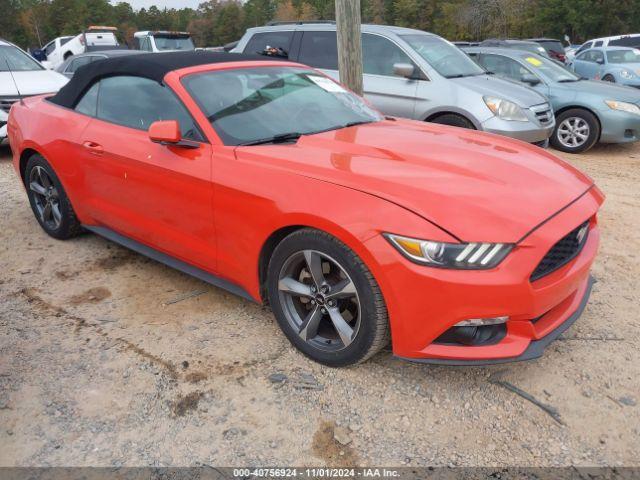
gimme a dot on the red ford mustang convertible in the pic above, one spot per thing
(271, 180)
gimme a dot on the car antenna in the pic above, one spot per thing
(15, 84)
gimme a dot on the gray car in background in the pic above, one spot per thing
(413, 74)
(71, 64)
(586, 111)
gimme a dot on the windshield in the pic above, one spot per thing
(17, 60)
(550, 69)
(174, 43)
(253, 104)
(623, 56)
(447, 59)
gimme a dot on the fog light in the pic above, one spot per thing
(480, 322)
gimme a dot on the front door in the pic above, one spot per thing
(155, 194)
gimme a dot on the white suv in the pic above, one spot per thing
(22, 76)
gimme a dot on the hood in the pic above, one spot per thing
(478, 186)
(499, 87)
(33, 82)
(609, 90)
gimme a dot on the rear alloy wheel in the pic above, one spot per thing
(326, 300)
(576, 131)
(49, 201)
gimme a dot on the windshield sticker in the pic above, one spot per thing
(326, 84)
(533, 61)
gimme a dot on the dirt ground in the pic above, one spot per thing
(108, 359)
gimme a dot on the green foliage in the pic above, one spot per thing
(216, 22)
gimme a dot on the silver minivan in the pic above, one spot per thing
(418, 75)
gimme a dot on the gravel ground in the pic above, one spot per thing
(108, 359)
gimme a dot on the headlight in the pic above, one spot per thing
(623, 106)
(627, 74)
(505, 109)
(470, 256)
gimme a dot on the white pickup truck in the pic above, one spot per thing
(163, 41)
(92, 39)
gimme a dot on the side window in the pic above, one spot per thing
(138, 102)
(379, 54)
(598, 43)
(88, 104)
(50, 48)
(146, 44)
(259, 41)
(77, 63)
(597, 56)
(65, 40)
(584, 47)
(504, 67)
(320, 50)
(584, 56)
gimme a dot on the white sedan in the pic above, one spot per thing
(22, 76)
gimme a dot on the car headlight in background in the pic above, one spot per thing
(505, 110)
(623, 106)
(627, 74)
(468, 256)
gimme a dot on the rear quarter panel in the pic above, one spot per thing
(37, 125)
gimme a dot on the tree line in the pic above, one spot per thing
(32, 23)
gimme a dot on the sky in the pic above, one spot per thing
(137, 4)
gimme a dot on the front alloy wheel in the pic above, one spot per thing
(325, 299)
(319, 300)
(577, 130)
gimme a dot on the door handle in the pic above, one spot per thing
(94, 148)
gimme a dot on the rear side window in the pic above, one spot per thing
(320, 50)
(379, 54)
(138, 102)
(259, 41)
(598, 43)
(584, 47)
(88, 104)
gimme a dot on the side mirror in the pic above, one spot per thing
(600, 61)
(530, 79)
(405, 70)
(167, 132)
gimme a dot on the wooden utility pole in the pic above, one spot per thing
(349, 44)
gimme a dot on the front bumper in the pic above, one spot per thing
(526, 131)
(424, 302)
(535, 348)
(619, 127)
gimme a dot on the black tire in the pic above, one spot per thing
(68, 225)
(593, 134)
(370, 328)
(453, 120)
(609, 78)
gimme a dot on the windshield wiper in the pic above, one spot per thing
(569, 80)
(353, 124)
(282, 138)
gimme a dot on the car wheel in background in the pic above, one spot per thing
(576, 131)
(453, 120)
(325, 299)
(609, 78)
(49, 201)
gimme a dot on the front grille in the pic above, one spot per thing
(543, 113)
(565, 250)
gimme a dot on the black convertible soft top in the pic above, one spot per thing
(151, 65)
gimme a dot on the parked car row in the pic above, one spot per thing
(516, 88)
